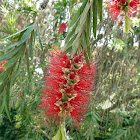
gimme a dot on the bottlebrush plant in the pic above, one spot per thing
(68, 84)
(62, 28)
(1, 65)
(121, 10)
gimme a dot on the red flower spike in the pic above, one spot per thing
(19, 27)
(62, 28)
(118, 8)
(2, 69)
(1, 65)
(68, 83)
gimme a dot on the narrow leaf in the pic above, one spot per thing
(28, 69)
(94, 17)
(17, 33)
(78, 13)
(9, 54)
(3, 103)
(9, 47)
(26, 34)
(100, 8)
(31, 45)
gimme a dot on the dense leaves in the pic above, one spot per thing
(28, 32)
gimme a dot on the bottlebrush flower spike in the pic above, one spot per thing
(1, 65)
(62, 28)
(68, 83)
(119, 8)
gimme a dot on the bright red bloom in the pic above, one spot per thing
(67, 87)
(1, 65)
(118, 8)
(62, 28)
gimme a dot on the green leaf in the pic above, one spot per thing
(13, 59)
(128, 23)
(7, 101)
(84, 40)
(71, 32)
(31, 45)
(58, 136)
(83, 18)
(28, 69)
(3, 103)
(9, 47)
(88, 25)
(86, 57)
(17, 32)
(75, 46)
(78, 13)
(79, 25)
(61, 134)
(2, 86)
(100, 8)
(67, 50)
(14, 74)
(94, 17)
(5, 74)
(9, 54)
(7, 111)
(69, 44)
(26, 35)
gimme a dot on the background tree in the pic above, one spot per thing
(28, 29)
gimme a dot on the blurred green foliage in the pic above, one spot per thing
(115, 108)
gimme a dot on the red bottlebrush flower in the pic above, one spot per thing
(1, 65)
(19, 27)
(2, 69)
(62, 28)
(68, 83)
(15, 41)
(118, 8)
(23, 18)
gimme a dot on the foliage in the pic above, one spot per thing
(115, 107)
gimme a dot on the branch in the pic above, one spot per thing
(46, 134)
(119, 103)
(44, 4)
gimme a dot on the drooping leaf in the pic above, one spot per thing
(61, 134)
(17, 32)
(78, 13)
(100, 9)
(3, 104)
(9, 54)
(31, 45)
(95, 8)
(26, 35)
(128, 23)
(9, 47)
